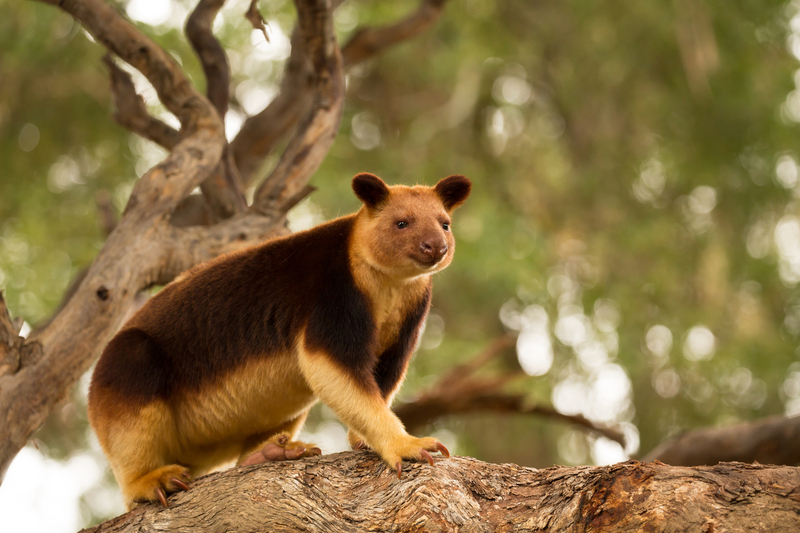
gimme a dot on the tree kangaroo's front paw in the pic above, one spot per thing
(413, 448)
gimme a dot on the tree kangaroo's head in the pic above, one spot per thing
(405, 231)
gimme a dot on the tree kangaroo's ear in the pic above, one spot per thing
(370, 189)
(453, 190)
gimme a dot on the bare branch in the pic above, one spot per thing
(772, 440)
(130, 110)
(369, 42)
(261, 132)
(107, 217)
(123, 39)
(193, 211)
(223, 189)
(211, 54)
(460, 392)
(221, 199)
(318, 129)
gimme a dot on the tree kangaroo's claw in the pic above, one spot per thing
(180, 484)
(162, 496)
(427, 456)
(399, 468)
(442, 448)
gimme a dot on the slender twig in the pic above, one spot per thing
(255, 18)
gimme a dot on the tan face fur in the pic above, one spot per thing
(405, 232)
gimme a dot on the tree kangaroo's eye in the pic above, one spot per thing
(402, 224)
(446, 226)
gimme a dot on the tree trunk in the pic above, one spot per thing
(354, 491)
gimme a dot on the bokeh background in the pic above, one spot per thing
(634, 217)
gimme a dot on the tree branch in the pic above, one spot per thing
(185, 247)
(130, 111)
(123, 39)
(318, 129)
(261, 132)
(773, 440)
(223, 189)
(212, 56)
(369, 42)
(353, 491)
(459, 391)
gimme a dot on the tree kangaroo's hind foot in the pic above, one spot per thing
(155, 485)
(280, 447)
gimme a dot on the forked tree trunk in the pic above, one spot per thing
(353, 491)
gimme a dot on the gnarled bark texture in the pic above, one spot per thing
(353, 491)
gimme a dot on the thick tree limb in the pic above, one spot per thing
(460, 391)
(773, 440)
(189, 246)
(352, 491)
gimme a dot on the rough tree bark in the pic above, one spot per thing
(353, 491)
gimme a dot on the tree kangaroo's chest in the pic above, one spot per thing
(389, 310)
